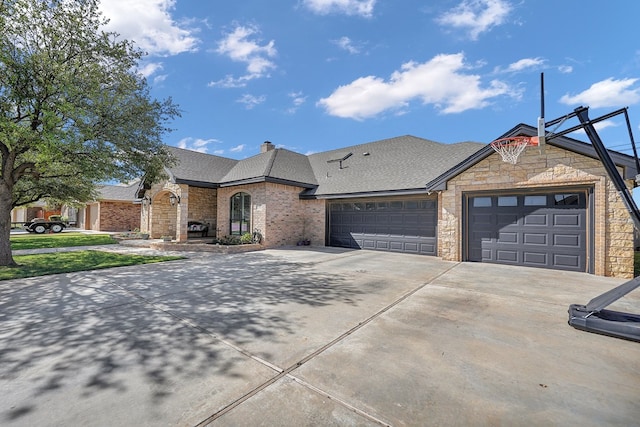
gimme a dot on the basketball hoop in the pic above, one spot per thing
(510, 148)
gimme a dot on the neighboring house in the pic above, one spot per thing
(461, 202)
(117, 209)
(35, 210)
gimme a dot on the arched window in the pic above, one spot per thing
(240, 214)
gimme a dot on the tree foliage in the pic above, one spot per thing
(73, 110)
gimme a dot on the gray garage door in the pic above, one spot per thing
(399, 225)
(535, 230)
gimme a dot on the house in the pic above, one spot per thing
(116, 209)
(554, 209)
(39, 209)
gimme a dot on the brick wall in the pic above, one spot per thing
(613, 229)
(279, 214)
(119, 216)
(203, 206)
(258, 207)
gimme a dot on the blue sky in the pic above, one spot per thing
(315, 75)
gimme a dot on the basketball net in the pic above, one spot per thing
(511, 148)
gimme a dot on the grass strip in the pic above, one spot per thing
(68, 262)
(40, 241)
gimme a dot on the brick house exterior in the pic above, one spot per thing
(115, 210)
(403, 194)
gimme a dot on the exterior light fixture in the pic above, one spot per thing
(146, 200)
(173, 199)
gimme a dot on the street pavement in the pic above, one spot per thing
(311, 337)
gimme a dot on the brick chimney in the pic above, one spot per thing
(266, 146)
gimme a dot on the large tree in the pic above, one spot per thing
(73, 110)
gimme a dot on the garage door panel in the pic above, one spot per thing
(368, 244)
(508, 237)
(570, 261)
(482, 218)
(396, 245)
(410, 247)
(403, 226)
(507, 256)
(566, 220)
(369, 219)
(569, 240)
(535, 220)
(535, 238)
(535, 259)
(506, 219)
(529, 230)
(427, 248)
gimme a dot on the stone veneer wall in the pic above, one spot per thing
(119, 216)
(166, 220)
(279, 214)
(613, 233)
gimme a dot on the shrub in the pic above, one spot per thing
(246, 238)
(227, 240)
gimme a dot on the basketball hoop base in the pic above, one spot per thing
(511, 148)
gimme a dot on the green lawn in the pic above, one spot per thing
(61, 240)
(67, 262)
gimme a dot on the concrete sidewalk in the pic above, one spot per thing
(311, 336)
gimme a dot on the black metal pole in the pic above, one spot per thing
(633, 143)
(542, 95)
(609, 165)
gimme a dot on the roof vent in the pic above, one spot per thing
(340, 160)
(266, 146)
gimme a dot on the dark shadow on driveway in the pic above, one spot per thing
(123, 330)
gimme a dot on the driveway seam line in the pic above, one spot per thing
(317, 352)
(338, 400)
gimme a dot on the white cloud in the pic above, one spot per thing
(524, 64)
(196, 144)
(362, 8)
(237, 148)
(565, 69)
(159, 79)
(440, 82)
(150, 25)
(606, 93)
(345, 43)
(476, 16)
(239, 46)
(599, 126)
(230, 82)
(298, 99)
(150, 68)
(251, 101)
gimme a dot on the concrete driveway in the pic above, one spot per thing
(306, 336)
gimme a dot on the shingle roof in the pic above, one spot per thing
(401, 163)
(119, 192)
(194, 167)
(395, 164)
(275, 165)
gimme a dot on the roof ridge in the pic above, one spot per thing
(272, 160)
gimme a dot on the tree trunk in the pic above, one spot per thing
(6, 257)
